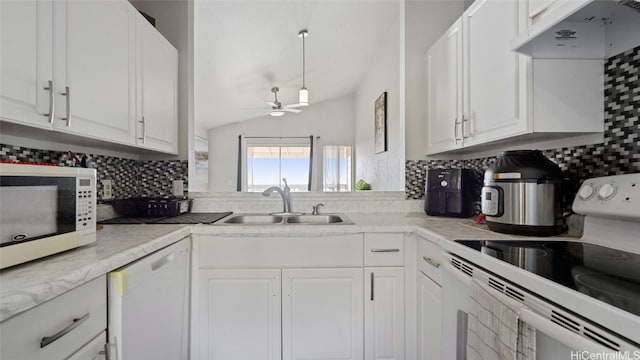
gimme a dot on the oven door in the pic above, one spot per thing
(35, 207)
(552, 340)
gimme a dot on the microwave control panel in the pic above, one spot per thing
(85, 203)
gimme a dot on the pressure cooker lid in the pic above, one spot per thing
(523, 165)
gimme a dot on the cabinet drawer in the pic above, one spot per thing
(383, 250)
(429, 259)
(66, 323)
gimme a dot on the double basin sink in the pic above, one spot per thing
(283, 219)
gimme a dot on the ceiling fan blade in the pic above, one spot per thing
(297, 105)
(271, 103)
(292, 110)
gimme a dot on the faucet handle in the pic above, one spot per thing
(316, 209)
(284, 180)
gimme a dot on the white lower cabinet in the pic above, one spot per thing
(294, 298)
(384, 313)
(429, 302)
(322, 314)
(429, 318)
(239, 314)
(59, 328)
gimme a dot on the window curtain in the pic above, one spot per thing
(331, 168)
(311, 142)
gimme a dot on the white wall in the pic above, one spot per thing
(384, 171)
(425, 22)
(331, 120)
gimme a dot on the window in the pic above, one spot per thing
(267, 164)
(337, 168)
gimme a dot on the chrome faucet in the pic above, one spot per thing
(284, 193)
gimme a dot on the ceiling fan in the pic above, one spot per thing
(277, 109)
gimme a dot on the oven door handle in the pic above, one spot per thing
(539, 322)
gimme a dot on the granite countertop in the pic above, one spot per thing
(27, 285)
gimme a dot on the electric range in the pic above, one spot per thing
(581, 294)
(603, 273)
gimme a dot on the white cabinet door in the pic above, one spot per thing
(493, 74)
(429, 319)
(158, 85)
(26, 64)
(322, 315)
(444, 91)
(384, 313)
(239, 314)
(94, 58)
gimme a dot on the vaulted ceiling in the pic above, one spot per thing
(243, 48)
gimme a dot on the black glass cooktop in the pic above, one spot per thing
(609, 275)
(188, 218)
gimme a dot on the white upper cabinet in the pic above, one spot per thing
(94, 69)
(26, 62)
(492, 81)
(113, 76)
(444, 91)
(158, 83)
(505, 97)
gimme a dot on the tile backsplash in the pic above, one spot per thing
(130, 177)
(618, 154)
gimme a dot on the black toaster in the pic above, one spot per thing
(451, 192)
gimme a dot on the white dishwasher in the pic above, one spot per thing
(149, 306)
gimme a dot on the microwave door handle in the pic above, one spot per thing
(555, 331)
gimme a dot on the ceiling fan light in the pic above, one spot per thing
(303, 97)
(276, 113)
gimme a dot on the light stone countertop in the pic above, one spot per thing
(27, 285)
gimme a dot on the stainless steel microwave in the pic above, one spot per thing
(44, 210)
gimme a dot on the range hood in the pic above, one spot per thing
(581, 29)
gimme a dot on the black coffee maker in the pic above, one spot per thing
(451, 192)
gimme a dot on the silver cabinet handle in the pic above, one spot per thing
(455, 129)
(52, 103)
(144, 129)
(384, 250)
(74, 324)
(67, 93)
(464, 120)
(162, 262)
(372, 284)
(431, 262)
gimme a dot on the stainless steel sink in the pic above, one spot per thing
(315, 219)
(266, 219)
(254, 219)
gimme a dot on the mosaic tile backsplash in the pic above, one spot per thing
(618, 154)
(131, 178)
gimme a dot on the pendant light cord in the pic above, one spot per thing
(303, 61)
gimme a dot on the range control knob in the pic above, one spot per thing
(606, 191)
(586, 192)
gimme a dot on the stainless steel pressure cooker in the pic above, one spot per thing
(522, 194)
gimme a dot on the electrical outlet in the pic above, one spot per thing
(178, 188)
(107, 189)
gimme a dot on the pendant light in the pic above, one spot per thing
(303, 93)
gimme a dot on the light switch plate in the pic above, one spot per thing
(107, 189)
(178, 188)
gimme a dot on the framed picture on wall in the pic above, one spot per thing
(380, 136)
